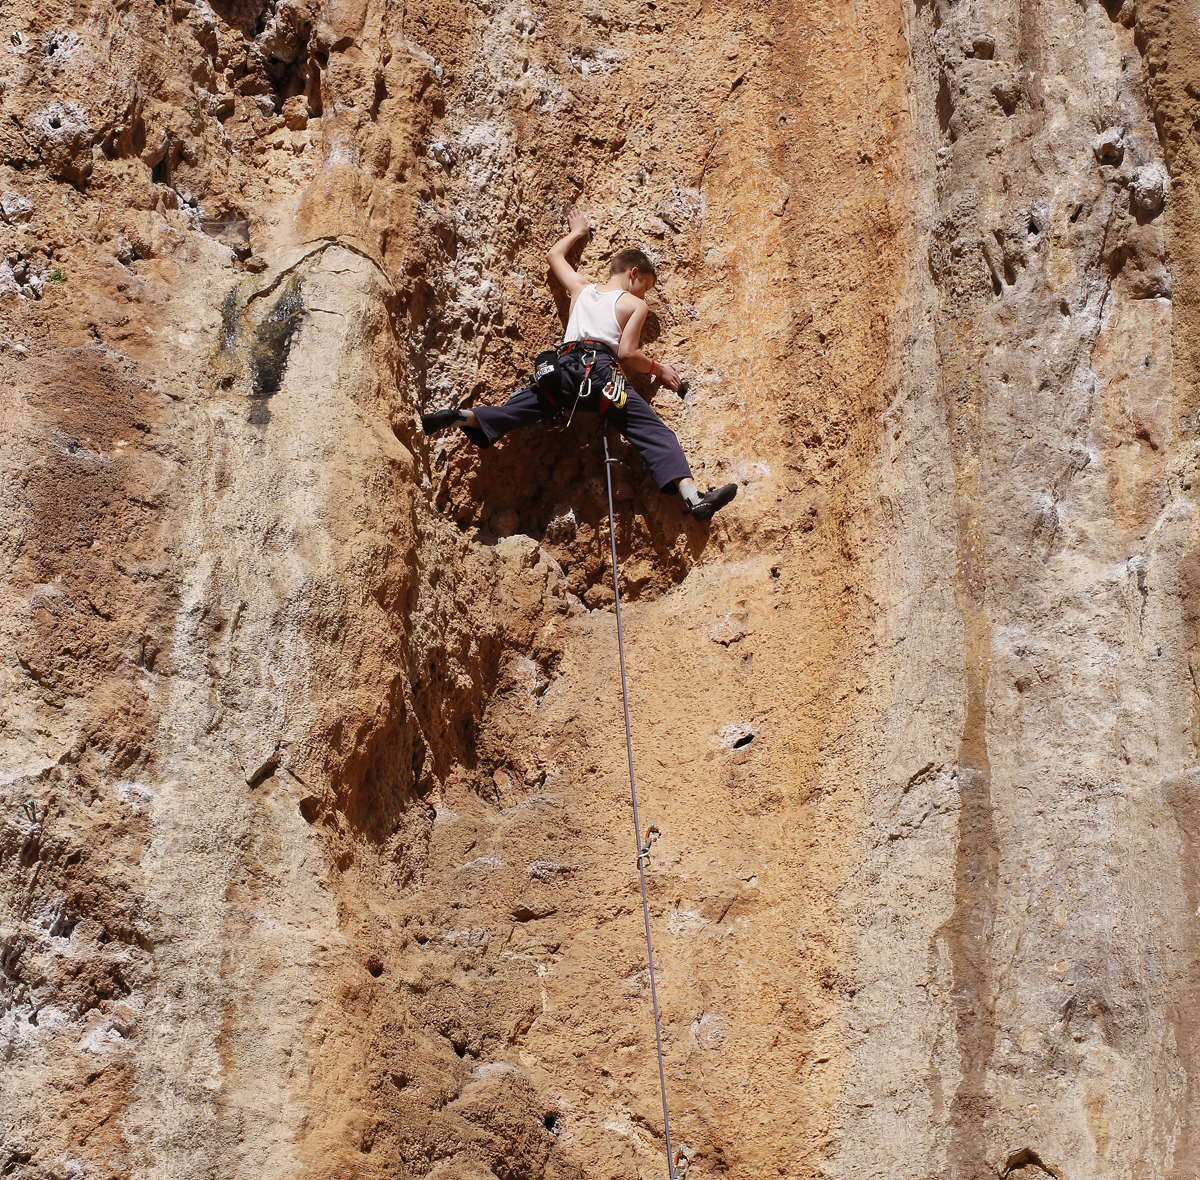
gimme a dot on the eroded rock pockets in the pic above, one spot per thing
(88, 609)
(76, 961)
(1051, 234)
(88, 551)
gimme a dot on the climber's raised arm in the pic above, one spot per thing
(579, 226)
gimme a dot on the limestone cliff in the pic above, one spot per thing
(316, 856)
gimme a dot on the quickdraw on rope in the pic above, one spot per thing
(643, 844)
(652, 835)
(614, 393)
(589, 358)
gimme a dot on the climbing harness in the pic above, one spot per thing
(652, 832)
(548, 376)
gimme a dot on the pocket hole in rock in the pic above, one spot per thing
(1027, 1162)
(375, 967)
(743, 741)
(550, 1122)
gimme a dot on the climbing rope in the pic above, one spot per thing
(652, 833)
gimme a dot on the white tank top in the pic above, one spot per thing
(594, 317)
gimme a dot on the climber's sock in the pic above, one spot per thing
(691, 495)
(440, 419)
(713, 499)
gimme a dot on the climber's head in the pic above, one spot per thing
(637, 266)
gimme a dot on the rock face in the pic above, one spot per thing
(316, 853)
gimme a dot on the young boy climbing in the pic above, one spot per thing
(603, 337)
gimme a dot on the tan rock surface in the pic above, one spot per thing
(316, 850)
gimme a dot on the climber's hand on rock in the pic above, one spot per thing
(579, 223)
(667, 374)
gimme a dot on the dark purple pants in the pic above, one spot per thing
(654, 439)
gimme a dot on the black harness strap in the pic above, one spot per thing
(548, 377)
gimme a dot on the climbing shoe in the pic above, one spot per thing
(439, 420)
(713, 499)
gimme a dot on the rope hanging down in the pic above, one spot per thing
(652, 833)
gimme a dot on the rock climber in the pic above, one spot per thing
(585, 372)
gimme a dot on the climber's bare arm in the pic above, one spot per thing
(630, 352)
(579, 226)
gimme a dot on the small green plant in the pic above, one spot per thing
(57, 275)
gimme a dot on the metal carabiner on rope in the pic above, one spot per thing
(682, 1153)
(652, 834)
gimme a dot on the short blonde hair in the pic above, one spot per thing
(627, 259)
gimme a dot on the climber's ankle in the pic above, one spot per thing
(688, 490)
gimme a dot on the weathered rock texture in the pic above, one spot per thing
(316, 855)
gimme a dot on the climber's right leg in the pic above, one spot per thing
(659, 447)
(485, 424)
(703, 507)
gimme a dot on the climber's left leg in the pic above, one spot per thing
(485, 424)
(525, 407)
